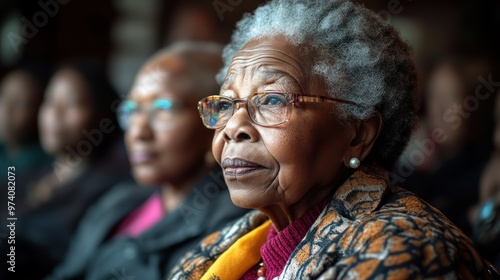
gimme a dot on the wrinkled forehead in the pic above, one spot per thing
(270, 58)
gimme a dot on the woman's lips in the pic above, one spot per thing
(237, 167)
(142, 157)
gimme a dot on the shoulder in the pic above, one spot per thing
(196, 262)
(112, 206)
(406, 237)
(218, 242)
(124, 192)
(96, 224)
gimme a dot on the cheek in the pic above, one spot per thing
(292, 153)
(77, 120)
(177, 141)
(186, 143)
(51, 141)
(129, 140)
(308, 156)
(46, 119)
(218, 145)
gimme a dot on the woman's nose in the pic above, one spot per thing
(140, 127)
(240, 126)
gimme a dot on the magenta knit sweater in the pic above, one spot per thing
(279, 246)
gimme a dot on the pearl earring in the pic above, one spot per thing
(354, 163)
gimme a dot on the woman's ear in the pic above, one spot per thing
(366, 133)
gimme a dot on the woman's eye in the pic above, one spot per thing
(129, 107)
(225, 106)
(163, 104)
(271, 100)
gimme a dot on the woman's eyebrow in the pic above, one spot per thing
(270, 73)
(263, 75)
(274, 74)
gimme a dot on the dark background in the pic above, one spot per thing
(123, 33)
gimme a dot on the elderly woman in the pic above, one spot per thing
(317, 102)
(143, 232)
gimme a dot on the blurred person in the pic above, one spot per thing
(142, 232)
(21, 93)
(485, 217)
(452, 143)
(20, 97)
(79, 129)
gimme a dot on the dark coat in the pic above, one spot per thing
(44, 232)
(96, 254)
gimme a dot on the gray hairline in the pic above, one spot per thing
(297, 40)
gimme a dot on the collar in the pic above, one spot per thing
(362, 193)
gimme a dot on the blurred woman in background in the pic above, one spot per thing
(142, 232)
(78, 128)
(21, 93)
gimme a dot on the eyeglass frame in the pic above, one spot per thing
(296, 98)
(175, 105)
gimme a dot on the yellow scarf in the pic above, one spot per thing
(245, 253)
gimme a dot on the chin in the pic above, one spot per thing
(245, 200)
(51, 149)
(147, 179)
(148, 183)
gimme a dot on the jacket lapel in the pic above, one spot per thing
(359, 195)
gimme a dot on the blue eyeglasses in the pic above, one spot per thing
(159, 113)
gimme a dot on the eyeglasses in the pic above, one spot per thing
(160, 113)
(264, 108)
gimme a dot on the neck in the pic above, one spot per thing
(68, 165)
(173, 194)
(283, 214)
(12, 148)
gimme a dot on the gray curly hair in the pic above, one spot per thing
(361, 58)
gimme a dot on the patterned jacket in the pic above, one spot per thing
(369, 230)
